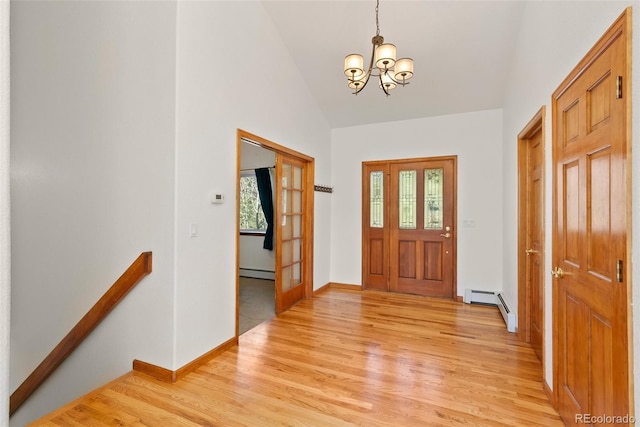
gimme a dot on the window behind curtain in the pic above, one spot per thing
(251, 217)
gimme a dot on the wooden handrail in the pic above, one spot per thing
(136, 271)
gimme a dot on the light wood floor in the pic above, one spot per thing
(344, 358)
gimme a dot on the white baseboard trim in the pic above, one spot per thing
(257, 274)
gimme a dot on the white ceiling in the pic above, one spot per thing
(461, 51)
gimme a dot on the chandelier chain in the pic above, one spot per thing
(377, 21)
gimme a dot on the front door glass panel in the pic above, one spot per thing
(407, 199)
(433, 197)
(376, 202)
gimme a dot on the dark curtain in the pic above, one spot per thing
(265, 192)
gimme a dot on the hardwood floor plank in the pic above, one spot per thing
(345, 358)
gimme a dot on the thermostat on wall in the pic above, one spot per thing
(217, 198)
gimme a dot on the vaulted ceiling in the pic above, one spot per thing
(461, 49)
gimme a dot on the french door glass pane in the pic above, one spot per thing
(297, 201)
(297, 178)
(287, 228)
(286, 278)
(291, 251)
(285, 202)
(287, 175)
(287, 252)
(297, 225)
(433, 189)
(407, 190)
(291, 276)
(376, 203)
(297, 274)
(297, 250)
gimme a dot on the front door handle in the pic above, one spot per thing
(446, 235)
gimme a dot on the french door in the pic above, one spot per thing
(408, 226)
(292, 239)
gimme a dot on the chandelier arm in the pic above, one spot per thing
(373, 52)
(402, 82)
(357, 91)
(369, 71)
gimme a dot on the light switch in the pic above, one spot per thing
(193, 230)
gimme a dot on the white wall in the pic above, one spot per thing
(136, 126)
(92, 187)
(553, 37)
(476, 138)
(233, 72)
(5, 238)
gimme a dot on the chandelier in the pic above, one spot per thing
(389, 71)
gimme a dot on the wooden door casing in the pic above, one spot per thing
(591, 200)
(534, 270)
(306, 290)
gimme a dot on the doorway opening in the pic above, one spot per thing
(274, 246)
(257, 260)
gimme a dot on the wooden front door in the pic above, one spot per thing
(408, 226)
(590, 257)
(291, 238)
(531, 233)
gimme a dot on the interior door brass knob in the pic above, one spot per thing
(530, 251)
(557, 273)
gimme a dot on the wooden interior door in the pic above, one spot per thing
(291, 236)
(590, 257)
(534, 243)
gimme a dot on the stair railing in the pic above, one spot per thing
(136, 271)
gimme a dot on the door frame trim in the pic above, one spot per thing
(308, 219)
(454, 238)
(537, 123)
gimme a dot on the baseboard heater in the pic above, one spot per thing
(257, 274)
(493, 298)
